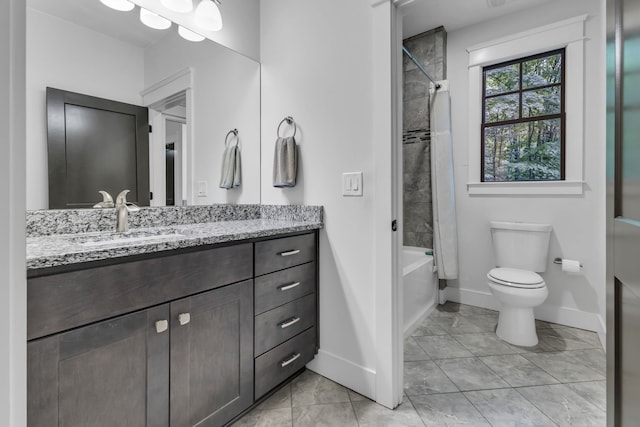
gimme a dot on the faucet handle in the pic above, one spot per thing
(121, 200)
(107, 200)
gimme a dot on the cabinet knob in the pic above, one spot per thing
(184, 318)
(161, 326)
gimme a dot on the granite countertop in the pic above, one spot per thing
(65, 249)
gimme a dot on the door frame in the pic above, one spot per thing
(386, 68)
(13, 293)
(157, 166)
(612, 23)
(153, 97)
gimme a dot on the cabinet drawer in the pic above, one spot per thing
(275, 289)
(280, 324)
(63, 301)
(278, 254)
(283, 361)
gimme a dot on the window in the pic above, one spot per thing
(523, 119)
(568, 37)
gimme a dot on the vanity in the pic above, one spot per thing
(189, 325)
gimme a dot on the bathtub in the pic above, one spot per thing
(419, 287)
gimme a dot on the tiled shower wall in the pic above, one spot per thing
(429, 48)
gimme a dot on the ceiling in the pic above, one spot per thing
(92, 14)
(424, 15)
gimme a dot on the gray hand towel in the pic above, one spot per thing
(230, 174)
(285, 162)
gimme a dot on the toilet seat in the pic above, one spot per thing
(516, 278)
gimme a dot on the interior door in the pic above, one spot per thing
(623, 293)
(95, 144)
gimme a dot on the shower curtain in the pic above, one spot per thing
(445, 234)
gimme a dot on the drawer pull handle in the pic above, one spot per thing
(289, 322)
(161, 326)
(289, 253)
(291, 286)
(290, 360)
(184, 318)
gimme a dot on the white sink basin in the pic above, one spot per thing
(126, 238)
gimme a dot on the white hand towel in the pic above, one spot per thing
(230, 173)
(285, 162)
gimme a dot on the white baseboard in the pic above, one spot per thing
(560, 315)
(475, 298)
(344, 372)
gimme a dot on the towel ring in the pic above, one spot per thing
(232, 131)
(290, 122)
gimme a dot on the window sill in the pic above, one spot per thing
(531, 188)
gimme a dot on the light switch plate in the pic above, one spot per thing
(202, 189)
(352, 184)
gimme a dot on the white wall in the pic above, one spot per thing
(578, 222)
(316, 59)
(70, 57)
(226, 95)
(13, 288)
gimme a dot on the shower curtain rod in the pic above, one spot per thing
(415, 61)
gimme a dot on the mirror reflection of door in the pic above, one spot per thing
(174, 148)
(95, 144)
(168, 151)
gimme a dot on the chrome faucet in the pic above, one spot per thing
(107, 200)
(122, 210)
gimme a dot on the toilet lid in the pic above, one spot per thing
(516, 278)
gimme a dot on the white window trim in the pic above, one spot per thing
(568, 34)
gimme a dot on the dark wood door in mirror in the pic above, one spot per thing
(95, 144)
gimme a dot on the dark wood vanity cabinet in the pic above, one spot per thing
(286, 331)
(112, 373)
(177, 342)
(211, 363)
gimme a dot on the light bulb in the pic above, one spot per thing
(208, 16)
(121, 5)
(189, 35)
(182, 6)
(153, 20)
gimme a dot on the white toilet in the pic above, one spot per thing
(521, 250)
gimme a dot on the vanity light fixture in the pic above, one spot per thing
(153, 20)
(181, 6)
(121, 5)
(189, 35)
(207, 15)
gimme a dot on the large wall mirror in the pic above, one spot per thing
(196, 92)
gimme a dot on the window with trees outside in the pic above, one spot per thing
(523, 119)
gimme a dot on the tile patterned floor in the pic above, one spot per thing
(458, 373)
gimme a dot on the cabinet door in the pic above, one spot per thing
(212, 356)
(112, 373)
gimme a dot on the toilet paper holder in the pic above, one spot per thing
(558, 260)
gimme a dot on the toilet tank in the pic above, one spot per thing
(521, 245)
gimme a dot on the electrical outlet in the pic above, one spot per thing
(352, 184)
